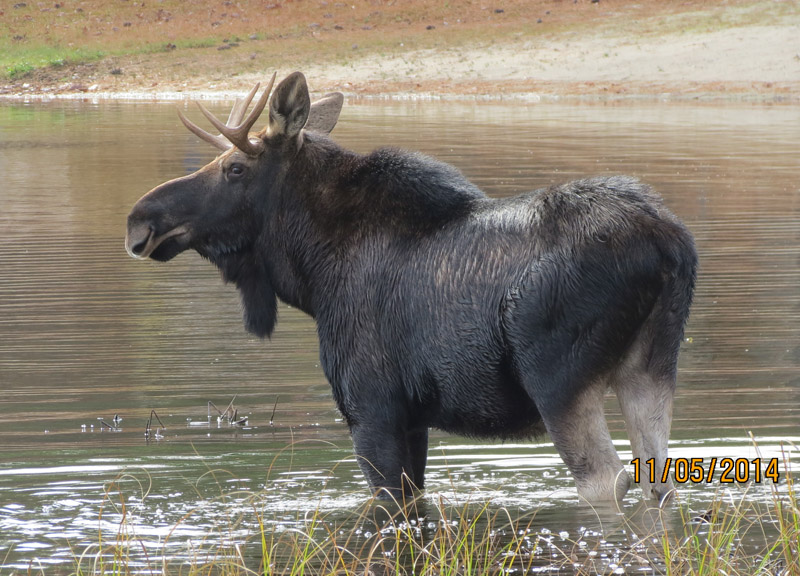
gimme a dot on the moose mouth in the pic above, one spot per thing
(143, 242)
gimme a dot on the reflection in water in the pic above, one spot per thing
(86, 332)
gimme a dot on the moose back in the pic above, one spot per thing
(435, 305)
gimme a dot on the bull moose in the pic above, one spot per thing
(436, 306)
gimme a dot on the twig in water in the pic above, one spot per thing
(148, 428)
(115, 423)
(210, 405)
(275, 407)
(231, 413)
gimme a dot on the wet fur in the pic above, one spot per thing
(439, 307)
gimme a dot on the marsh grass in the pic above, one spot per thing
(737, 533)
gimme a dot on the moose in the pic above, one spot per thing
(435, 305)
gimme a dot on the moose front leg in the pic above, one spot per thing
(385, 457)
(418, 446)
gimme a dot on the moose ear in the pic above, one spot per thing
(289, 106)
(325, 113)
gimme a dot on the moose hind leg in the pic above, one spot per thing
(646, 402)
(580, 434)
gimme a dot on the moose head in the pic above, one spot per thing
(195, 211)
(219, 210)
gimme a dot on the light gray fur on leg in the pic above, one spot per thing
(582, 439)
(646, 404)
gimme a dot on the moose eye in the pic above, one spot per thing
(235, 170)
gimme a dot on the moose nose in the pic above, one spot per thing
(137, 240)
(137, 249)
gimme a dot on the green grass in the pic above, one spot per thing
(185, 44)
(19, 69)
(18, 60)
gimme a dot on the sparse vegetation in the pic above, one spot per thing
(732, 535)
(736, 535)
(19, 69)
(18, 62)
(171, 42)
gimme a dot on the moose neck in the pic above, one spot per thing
(328, 202)
(301, 234)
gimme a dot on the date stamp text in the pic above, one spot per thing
(696, 470)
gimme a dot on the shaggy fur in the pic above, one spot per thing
(439, 307)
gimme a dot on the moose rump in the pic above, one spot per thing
(437, 307)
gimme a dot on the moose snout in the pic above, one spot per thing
(157, 239)
(137, 239)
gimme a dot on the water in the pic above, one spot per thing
(87, 333)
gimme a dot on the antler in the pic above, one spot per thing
(234, 131)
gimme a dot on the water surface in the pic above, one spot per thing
(87, 333)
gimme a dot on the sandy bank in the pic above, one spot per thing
(731, 54)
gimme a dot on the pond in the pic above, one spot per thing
(94, 345)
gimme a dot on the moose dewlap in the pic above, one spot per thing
(435, 305)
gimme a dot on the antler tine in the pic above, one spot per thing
(213, 119)
(238, 135)
(240, 107)
(216, 141)
(259, 107)
(233, 134)
(236, 114)
(235, 131)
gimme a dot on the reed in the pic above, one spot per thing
(737, 535)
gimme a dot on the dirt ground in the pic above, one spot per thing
(527, 49)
